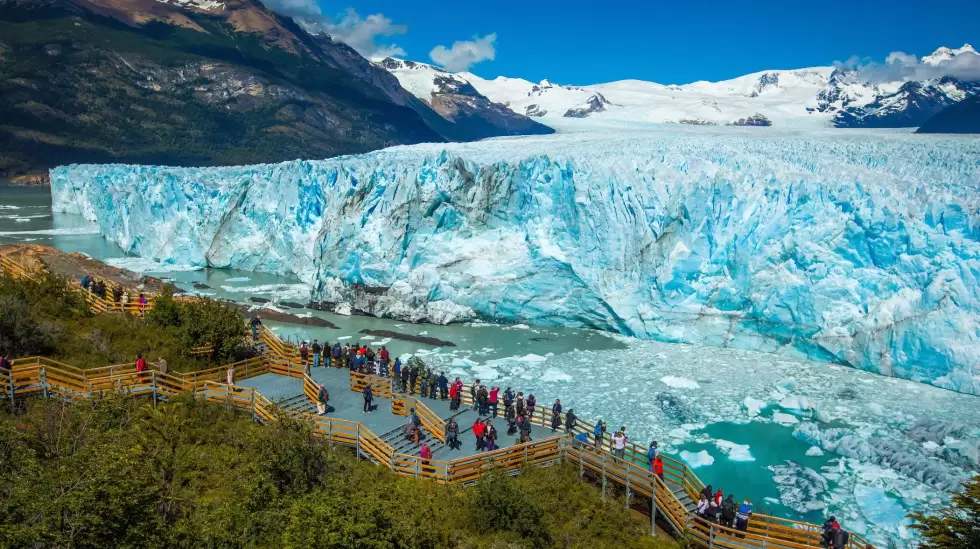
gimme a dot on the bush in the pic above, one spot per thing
(955, 527)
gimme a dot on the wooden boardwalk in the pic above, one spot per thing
(275, 385)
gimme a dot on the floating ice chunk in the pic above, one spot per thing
(484, 372)
(931, 447)
(366, 337)
(797, 403)
(236, 279)
(696, 460)
(679, 433)
(463, 363)
(554, 374)
(520, 327)
(753, 405)
(784, 419)
(343, 309)
(880, 509)
(680, 382)
(814, 451)
(342, 338)
(532, 358)
(735, 452)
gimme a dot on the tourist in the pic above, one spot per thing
(426, 454)
(492, 399)
(117, 294)
(708, 492)
(335, 355)
(322, 397)
(162, 366)
(658, 467)
(474, 389)
(124, 298)
(478, 432)
(413, 426)
(317, 350)
(255, 323)
(443, 385)
(230, 375)
(413, 376)
(520, 404)
(728, 510)
(840, 538)
(433, 383)
(570, 421)
(598, 432)
(368, 398)
(702, 508)
(510, 415)
(714, 508)
(508, 397)
(425, 383)
(452, 434)
(142, 304)
(490, 435)
(531, 403)
(581, 439)
(555, 415)
(742, 516)
(396, 371)
(453, 398)
(652, 452)
(140, 367)
(85, 282)
(619, 440)
(5, 364)
(719, 498)
(304, 355)
(483, 398)
(525, 428)
(405, 376)
(352, 357)
(827, 537)
(384, 355)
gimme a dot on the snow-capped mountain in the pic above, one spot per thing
(821, 96)
(455, 99)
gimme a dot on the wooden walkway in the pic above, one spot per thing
(275, 385)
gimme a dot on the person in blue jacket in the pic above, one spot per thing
(742, 516)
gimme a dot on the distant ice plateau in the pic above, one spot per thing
(855, 248)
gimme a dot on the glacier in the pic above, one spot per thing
(858, 248)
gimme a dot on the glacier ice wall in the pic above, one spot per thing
(860, 249)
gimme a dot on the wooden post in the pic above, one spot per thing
(653, 507)
(357, 441)
(627, 487)
(603, 477)
(711, 535)
(253, 405)
(11, 387)
(44, 381)
(153, 385)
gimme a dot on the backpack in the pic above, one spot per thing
(728, 510)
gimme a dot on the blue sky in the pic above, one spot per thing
(586, 42)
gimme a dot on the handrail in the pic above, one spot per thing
(431, 422)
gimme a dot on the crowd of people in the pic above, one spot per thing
(115, 295)
(415, 377)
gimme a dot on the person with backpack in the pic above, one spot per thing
(520, 404)
(599, 432)
(406, 374)
(317, 351)
(433, 384)
(335, 355)
(531, 403)
(508, 397)
(652, 453)
(396, 371)
(413, 377)
(322, 398)
(368, 398)
(255, 323)
(452, 434)
(483, 400)
(525, 428)
(570, 421)
(304, 354)
(6, 365)
(555, 415)
(840, 538)
(827, 536)
(510, 416)
(702, 508)
(728, 512)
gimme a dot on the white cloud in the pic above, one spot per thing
(463, 54)
(900, 66)
(360, 33)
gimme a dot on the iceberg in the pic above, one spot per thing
(858, 249)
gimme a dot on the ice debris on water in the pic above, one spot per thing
(800, 488)
(697, 459)
(679, 382)
(735, 452)
(802, 245)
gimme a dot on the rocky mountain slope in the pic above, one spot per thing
(963, 117)
(193, 82)
(455, 99)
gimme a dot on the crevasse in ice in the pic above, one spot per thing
(860, 249)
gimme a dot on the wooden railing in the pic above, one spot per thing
(402, 405)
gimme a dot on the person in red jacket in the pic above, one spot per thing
(478, 431)
(140, 367)
(426, 454)
(658, 467)
(493, 400)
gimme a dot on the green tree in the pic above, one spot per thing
(499, 504)
(956, 526)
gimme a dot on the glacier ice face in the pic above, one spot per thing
(860, 249)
